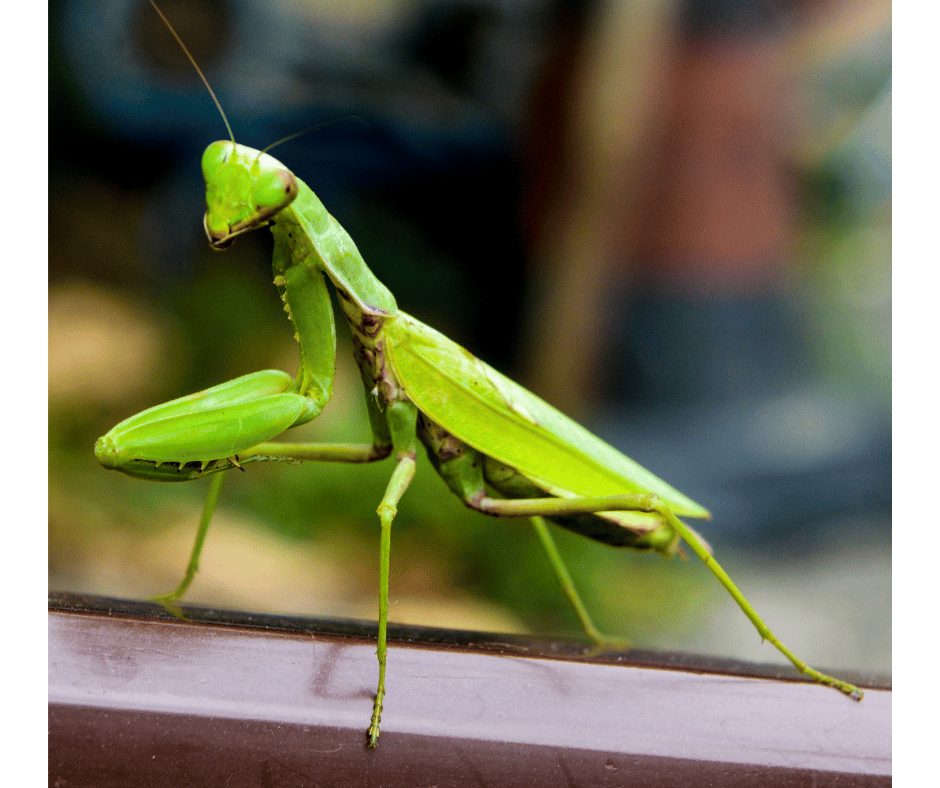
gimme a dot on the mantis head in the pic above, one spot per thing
(245, 188)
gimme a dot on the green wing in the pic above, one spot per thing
(500, 418)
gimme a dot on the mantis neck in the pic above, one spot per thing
(308, 245)
(324, 244)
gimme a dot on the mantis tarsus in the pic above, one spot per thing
(502, 450)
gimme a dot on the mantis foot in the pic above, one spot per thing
(604, 643)
(168, 603)
(373, 732)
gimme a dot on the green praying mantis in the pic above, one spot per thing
(503, 451)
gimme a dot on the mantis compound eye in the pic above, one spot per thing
(215, 158)
(274, 189)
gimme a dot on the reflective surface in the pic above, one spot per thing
(137, 696)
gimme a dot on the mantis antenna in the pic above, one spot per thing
(198, 71)
(323, 125)
(218, 105)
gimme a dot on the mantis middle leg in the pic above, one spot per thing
(323, 452)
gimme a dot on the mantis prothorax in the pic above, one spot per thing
(503, 451)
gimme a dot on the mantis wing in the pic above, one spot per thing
(500, 418)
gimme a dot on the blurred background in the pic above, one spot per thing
(670, 219)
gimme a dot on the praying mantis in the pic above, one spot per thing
(503, 451)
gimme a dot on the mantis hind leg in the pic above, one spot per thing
(601, 641)
(548, 507)
(695, 543)
(212, 499)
